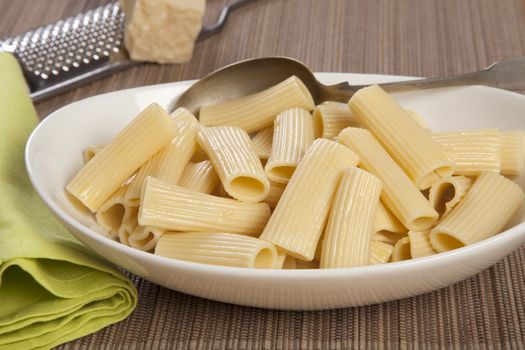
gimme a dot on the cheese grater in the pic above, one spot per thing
(79, 49)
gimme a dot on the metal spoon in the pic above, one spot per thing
(253, 75)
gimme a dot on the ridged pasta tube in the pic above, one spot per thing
(447, 192)
(145, 238)
(473, 151)
(151, 130)
(90, 151)
(420, 244)
(300, 216)
(262, 143)
(332, 117)
(350, 225)
(400, 195)
(111, 214)
(380, 252)
(224, 249)
(132, 196)
(276, 191)
(293, 133)
(234, 159)
(417, 118)
(176, 208)
(401, 250)
(200, 177)
(178, 153)
(387, 227)
(512, 152)
(484, 211)
(129, 223)
(257, 111)
(405, 140)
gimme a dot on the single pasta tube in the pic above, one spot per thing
(176, 208)
(257, 111)
(401, 250)
(181, 149)
(262, 143)
(421, 158)
(399, 194)
(226, 249)
(351, 222)
(293, 133)
(417, 118)
(90, 151)
(111, 214)
(447, 192)
(145, 238)
(200, 177)
(132, 196)
(484, 211)
(234, 159)
(380, 252)
(276, 191)
(512, 152)
(300, 216)
(151, 130)
(387, 227)
(129, 223)
(420, 244)
(332, 117)
(473, 151)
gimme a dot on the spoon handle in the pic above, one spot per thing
(505, 74)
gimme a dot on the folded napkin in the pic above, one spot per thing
(52, 289)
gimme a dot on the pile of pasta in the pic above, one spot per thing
(272, 181)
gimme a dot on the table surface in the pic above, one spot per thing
(405, 37)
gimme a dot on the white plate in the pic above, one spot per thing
(54, 155)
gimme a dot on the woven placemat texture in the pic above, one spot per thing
(406, 37)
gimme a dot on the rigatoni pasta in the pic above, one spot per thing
(301, 214)
(420, 244)
(487, 207)
(178, 153)
(350, 225)
(512, 152)
(262, 142)
(176, 208)
(234, 159)
(399, 194)
(293, 133)
(447, 192)
(257, 111)
(224, 249)
(331, 117)
(408, 143)
(473, 151)
(200, 177)
(380, 252)
(117, 161)
(169, 185)
(387, 227)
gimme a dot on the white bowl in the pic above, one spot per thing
(54, 155)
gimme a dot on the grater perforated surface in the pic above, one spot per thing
(70, 44)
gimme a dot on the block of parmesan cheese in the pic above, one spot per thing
(162, 31)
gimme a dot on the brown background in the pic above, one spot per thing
(406, 37)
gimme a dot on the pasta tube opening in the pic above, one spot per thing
(246, 186)
(402, 250)
(264, 259)
(112, 217)
(282, 171)
(443, 242)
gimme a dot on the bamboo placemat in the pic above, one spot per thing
(406, 37)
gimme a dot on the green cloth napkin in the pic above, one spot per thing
(52, 289)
